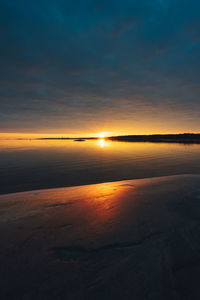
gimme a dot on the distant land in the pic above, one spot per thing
(187, 138)
(174, 138)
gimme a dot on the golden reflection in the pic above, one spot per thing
(102, 143)
(95, 207)
(116, 149)
(105, 201)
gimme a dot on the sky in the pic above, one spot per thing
(115, 66)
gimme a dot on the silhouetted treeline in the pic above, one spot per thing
(179, 138)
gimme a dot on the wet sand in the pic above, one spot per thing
(135, 239)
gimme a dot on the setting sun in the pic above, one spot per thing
(101, 135)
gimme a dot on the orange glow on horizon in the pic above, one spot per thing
(100, 135)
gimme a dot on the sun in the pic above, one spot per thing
(101, 135)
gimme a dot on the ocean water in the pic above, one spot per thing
(38, 164)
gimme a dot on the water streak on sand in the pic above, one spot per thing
(78, 252)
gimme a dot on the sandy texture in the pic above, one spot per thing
(135, 239)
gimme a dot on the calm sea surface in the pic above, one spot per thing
(34, 164)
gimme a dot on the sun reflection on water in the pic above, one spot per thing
(102, 143)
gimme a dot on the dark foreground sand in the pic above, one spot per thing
(136, 239)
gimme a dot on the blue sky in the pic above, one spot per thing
(86, 66)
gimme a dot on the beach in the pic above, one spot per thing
(132, 239)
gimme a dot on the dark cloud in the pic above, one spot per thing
(70, 64)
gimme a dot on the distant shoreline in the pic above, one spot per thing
(188, 138)
(169, 138)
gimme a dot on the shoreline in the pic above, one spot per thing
(94, 183)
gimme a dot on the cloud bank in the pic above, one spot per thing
(86, 65)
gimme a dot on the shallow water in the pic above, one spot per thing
(34, 164)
